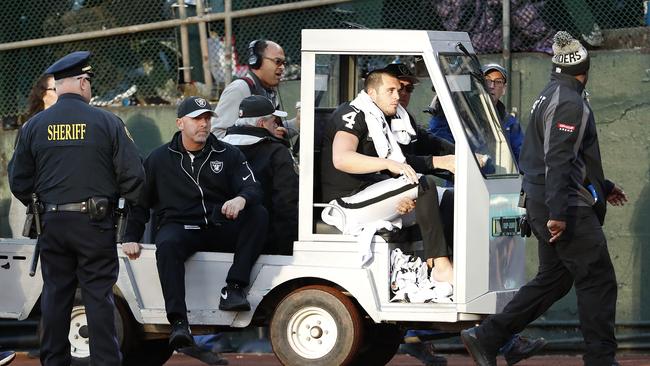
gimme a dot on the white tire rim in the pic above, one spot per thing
(78, 336)
(312, 332)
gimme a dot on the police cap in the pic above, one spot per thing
(73, 64)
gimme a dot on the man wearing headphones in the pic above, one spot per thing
(266, 62)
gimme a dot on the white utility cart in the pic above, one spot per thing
(321, 306)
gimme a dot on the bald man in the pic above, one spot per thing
(266, 62)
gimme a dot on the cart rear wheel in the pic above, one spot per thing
(316, 325)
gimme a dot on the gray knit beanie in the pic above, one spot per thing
(569, 56)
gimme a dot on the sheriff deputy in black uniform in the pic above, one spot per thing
(79, 160)
(565, 193)
(205, 198)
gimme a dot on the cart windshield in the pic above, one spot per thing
(477, 115)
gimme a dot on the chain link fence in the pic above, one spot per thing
(23, 20)
(130, 68)
(533, 22)
(143, 67)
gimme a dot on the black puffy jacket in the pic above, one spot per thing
(271, 161)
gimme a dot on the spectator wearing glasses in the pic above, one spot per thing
(266, 62)
(496, 78)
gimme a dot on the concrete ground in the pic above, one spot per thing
(236, 359)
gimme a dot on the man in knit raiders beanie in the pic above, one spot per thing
(569, 56)
(565, 195)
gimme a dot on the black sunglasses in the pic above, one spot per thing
(278, 61)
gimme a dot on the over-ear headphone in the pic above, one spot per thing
(254, 56)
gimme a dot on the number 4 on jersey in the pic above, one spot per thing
(349, 118)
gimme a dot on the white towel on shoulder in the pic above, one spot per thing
(401, 127)
(378, 130)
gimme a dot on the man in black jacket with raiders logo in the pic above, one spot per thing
(205, 198)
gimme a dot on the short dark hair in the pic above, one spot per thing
(374, 79)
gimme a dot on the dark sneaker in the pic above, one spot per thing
(425, 352)
(211, 358)
(6, 357)
(180, 335)
(481, 355)
(233, 298)
(522, 348)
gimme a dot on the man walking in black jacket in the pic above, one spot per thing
(205, 198)
(271, 161)
(565, 193)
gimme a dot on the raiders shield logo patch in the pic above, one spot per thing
(216, 166)
(200, 102)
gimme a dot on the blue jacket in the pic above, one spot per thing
(513, 134)
(439, 127)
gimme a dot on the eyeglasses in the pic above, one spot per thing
(87, 78)
(52, 89)
(495, 82)
(278, 61)
(407, 89)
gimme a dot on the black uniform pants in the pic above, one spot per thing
(429, 219)
(580, 257)
(245, 237)
(76, 251)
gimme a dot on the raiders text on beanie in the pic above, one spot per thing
(569, 56)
